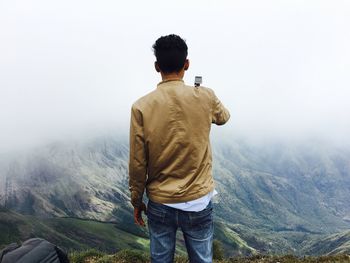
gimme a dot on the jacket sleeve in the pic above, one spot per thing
(220, 115)
(137, 158)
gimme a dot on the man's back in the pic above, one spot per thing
(176, 121)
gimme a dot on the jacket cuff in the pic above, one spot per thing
(136, 199)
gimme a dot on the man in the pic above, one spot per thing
(170, 157)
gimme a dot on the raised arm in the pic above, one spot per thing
(220, 115)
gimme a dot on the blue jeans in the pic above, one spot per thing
(197, 228)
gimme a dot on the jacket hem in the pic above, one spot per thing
(175, 199)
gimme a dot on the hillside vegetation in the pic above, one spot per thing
(68, 233)
(127, 256)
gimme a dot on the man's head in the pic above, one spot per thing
(171, 54)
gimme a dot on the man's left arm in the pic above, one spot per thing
(137, 164)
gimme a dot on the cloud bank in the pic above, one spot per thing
(73, 68)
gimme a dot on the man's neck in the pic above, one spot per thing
(173, 75)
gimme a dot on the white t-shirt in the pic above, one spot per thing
(194, 205)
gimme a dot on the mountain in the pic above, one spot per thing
(68, 179)
(333, 244)
(302, 188)
(274, 197)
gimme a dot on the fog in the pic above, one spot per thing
(74, 68)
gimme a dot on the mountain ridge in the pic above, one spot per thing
(273, 196)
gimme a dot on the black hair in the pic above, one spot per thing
(171, 53)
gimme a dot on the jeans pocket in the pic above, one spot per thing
(155, 212)
(202, 218)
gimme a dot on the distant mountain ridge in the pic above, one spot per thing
(65, 179)
(273, 197)
(303, 188)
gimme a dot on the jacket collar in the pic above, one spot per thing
(168, 81)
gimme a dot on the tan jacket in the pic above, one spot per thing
(170, 153)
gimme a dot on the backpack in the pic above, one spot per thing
(34, 250)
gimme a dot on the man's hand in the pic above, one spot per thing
(138, 214)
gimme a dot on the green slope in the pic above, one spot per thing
(68, 233)
(333, 244)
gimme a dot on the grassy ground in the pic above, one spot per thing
(133, 256)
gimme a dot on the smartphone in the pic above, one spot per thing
(197, 81)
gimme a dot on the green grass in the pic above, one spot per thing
(290, 259)
(134, 256)
(83, 256)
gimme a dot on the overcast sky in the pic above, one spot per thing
(73, 67)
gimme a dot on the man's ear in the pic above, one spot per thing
(187, 64)
(156, 66)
